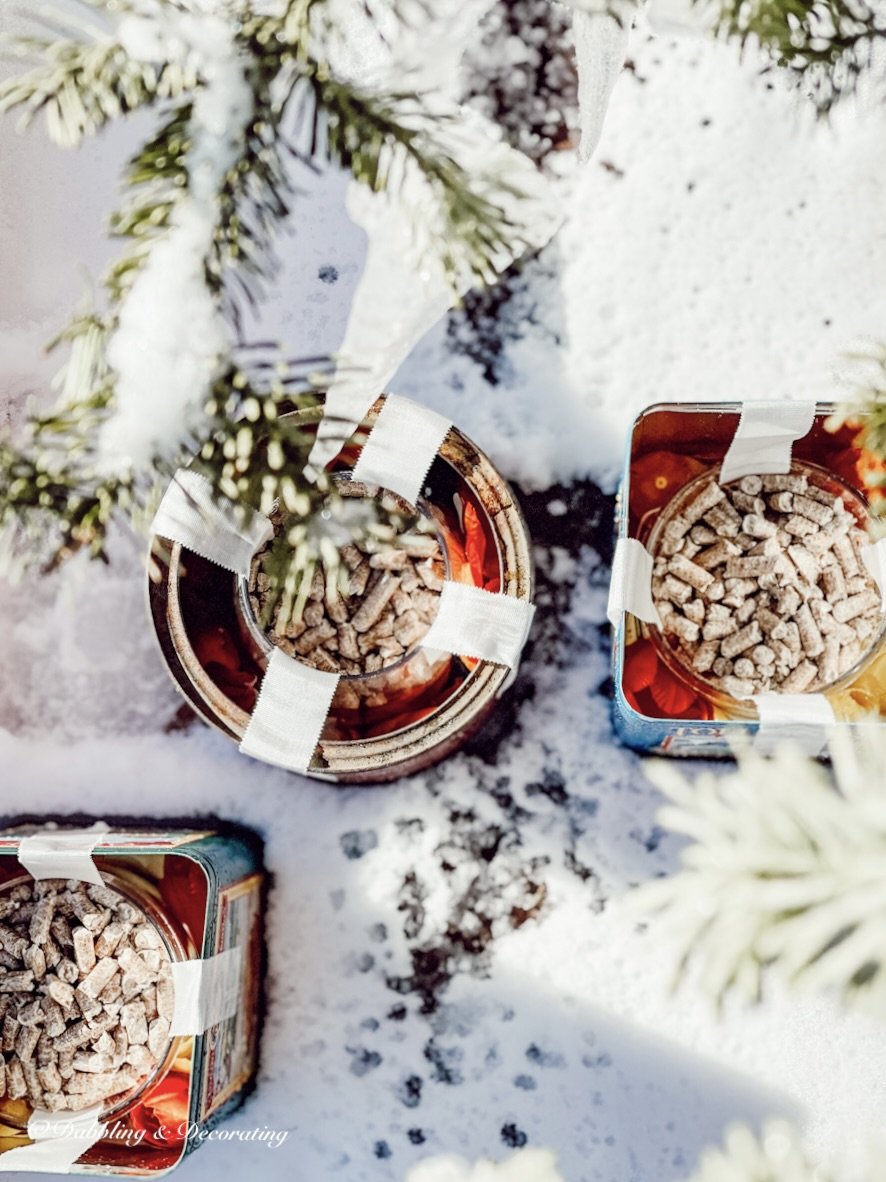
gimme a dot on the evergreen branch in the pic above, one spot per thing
(866, 411)
(56, 488)
(825, 44)
(83, 86)
(57, 504)
(156, 177)
(374, 135)
(870, 400)
(786, 868)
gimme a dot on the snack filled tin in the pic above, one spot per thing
(130, 994)
(396, 703)
(748, 586)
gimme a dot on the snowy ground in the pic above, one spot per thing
(718, 247)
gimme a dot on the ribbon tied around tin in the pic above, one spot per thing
(294, 699)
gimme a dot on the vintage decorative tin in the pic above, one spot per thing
(748, 589)
(383, 724)
(130, 992)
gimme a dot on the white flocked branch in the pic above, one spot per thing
(171, 337)
(785, 871)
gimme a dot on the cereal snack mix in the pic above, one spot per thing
(129, 994)
(743, 596)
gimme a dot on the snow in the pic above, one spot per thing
(527, 1165)
(168, 345)
(718, 245)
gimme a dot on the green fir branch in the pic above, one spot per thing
(247, 450)
(81, 87)
(785, 872)
(826, 45)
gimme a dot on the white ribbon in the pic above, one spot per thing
(404, 440)
(803, 719)
(630, 588)
(405, 289)
(223, 533)
(874, 558)
(290, 713)
(206, 991)
(60, 1139)
(65, 853)
(764, 439)
(471, 622)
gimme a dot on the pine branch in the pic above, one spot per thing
(374, 135)
(81, 87)
(59, 506)
(786, 868)
(870, 400)
(245, 449)
(827, 45)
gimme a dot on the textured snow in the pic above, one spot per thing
(526, 1165)
(717, 246)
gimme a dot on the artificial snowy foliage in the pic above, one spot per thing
(245, 94)
(786, 868)
(526, 1165)
(775, 1156)
(170, 342)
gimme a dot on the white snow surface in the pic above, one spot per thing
(526, 1165)
(718, 246)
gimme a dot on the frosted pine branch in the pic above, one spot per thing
(241, 92)
(776, 1156)
(786, 869)
(826, 45)
(80, 87)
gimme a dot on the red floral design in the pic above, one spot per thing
(657, 477)
(652, 689)
(163, 1114)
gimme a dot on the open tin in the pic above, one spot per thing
(203, 894)
(661, 702)
(217, 655)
